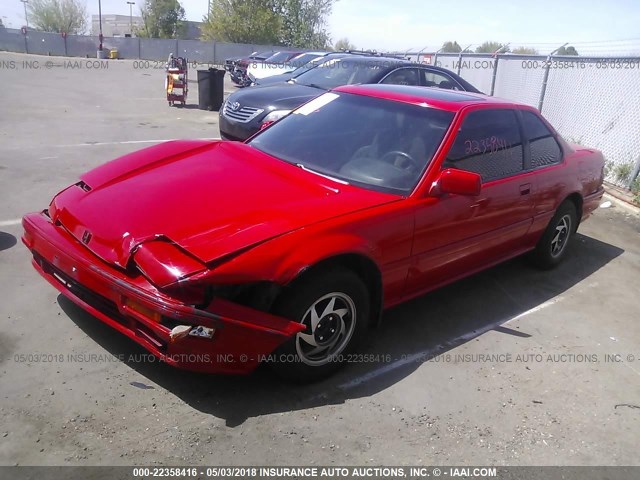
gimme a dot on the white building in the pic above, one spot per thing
(115, 25)
(120, 26)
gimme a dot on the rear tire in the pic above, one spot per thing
(334, 306)
(553, 245)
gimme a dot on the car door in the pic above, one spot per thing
(456, 234)
(545, 154)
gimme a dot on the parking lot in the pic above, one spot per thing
(512, 366)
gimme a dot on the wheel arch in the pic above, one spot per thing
(363, 266)
(275, 266)
(577, 201)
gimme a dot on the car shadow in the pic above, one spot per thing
(409, 335)
(7, 241)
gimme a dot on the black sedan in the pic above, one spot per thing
(246, 111)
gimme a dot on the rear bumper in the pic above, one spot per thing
(591, 202)
(242, 335)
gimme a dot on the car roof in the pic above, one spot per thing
(450, 100)
(365, 58)
(389, 63)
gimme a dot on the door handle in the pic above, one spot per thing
(525, 189)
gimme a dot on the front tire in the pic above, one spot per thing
(553, 245)
(334, 306)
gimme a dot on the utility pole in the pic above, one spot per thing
(100, 37)
(131, 4)
(26, 17)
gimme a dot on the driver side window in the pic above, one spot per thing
(440, 80)
(488, 143)
(403, 76)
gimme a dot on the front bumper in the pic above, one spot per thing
(237, 131)
(242, 335)
(238, 75)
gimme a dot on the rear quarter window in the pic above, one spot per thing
(544, 148)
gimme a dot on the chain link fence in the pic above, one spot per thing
(597, 103)
(593, 101)
(43, 43)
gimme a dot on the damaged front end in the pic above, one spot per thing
(187, 325)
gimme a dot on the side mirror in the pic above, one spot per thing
(458, 182)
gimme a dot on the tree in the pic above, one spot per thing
(161, 19)
(296, 23)
(525, 51)
(570, 50)
(1, 24)
(451, 47)
(490, 47)
(242, 21)
(304, 22)
(344, 44)
(69, 16)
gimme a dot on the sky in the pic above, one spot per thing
(594, 27)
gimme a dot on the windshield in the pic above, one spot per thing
(279, 57)
(371, 142)
(344, 71)
(309, 65)
(302, 60)
(261, 55)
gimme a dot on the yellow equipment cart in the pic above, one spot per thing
(177, 80)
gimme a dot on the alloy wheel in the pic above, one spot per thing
(561, 236)
(330, 323)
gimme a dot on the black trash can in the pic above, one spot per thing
(217, 87)
(210, 89)
(204, 90)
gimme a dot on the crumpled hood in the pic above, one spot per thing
(210, 198)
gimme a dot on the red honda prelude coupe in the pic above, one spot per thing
(215, 256)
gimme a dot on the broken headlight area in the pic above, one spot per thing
(179, 328)
(175, 273)
(164, 263)
(257, 295)
(182, 331)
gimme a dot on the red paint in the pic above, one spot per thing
(197, 213)
(457, 182)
